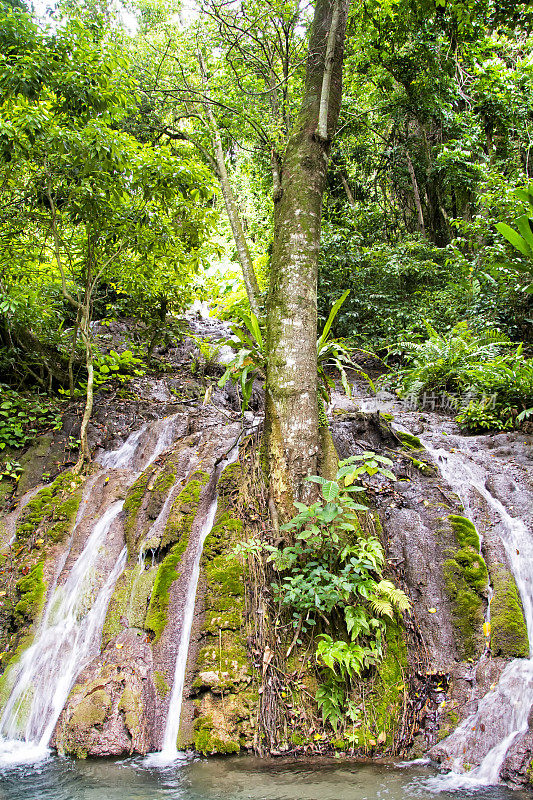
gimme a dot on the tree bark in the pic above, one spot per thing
(292, 427)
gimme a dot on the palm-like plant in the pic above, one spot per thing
(250, 358)
(522, 240)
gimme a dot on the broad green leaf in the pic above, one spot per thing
(514, 238)
(330, 490)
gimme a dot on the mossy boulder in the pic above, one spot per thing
(53, 510)
(466, 582)
(509, 637)
(111, 709)
(226, 699)
(31, 589)
(132, 507)
(176, 534)
(409, 441)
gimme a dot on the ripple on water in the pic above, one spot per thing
(193, 778)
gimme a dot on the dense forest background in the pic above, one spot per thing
(140, 152)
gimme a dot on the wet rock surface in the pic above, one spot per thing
(157, 451)
(111, 709)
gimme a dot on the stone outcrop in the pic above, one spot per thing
(111, 709)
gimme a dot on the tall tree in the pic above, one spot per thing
(292, 419)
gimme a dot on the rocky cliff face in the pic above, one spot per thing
(444, 538)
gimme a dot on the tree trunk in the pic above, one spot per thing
(85, 331)
(245, 259)
(416, 193)
(292, 427)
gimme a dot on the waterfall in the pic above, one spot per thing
(169, 751)
(503, 713)
(68, 635)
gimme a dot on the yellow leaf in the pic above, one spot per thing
(432, 610)
(486, 629)
(119, 645)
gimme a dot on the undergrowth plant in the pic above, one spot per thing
(484, 375)
(250, 358)
(331, 578)
(23, 416)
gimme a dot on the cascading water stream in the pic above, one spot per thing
(68, 635)
(169, 751)
(67, 638)
(503, 713)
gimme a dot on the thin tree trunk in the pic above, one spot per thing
(85, 331)
(245, 259)
(416, 193)
(291, 427)
(349, 193)
(72, 356)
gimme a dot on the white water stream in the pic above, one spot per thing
(169, 751)
(69, 632)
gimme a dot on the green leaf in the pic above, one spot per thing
(330, 319)
(514, 238)
(330, 490)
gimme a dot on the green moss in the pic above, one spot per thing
(509, 637)
(64, 518)
(409, 441)
(52, 502)
(156, 617)
(91, 710)
(8, 676)
(129, 600)
(130, 704)
(178, 529)
(132, 506)
(207, 742)
(183, 511)
(466, 579)
(224, 655)
(217, 620)
(32, 589)
(386, 699)
(421, 466)
(464, 531)
(161, 685)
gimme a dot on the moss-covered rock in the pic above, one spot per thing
(31, 589)
(509, 637)
(183, 511)
(466, 581)
(111, 710)
(464, 531)
(161, 684)
(132, 506)
(130, 599)
(226, 699)
(208, 742)
(53, 509)
(177, 533)
(409, 441)
(91, 710)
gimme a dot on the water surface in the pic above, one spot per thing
(241, 778)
